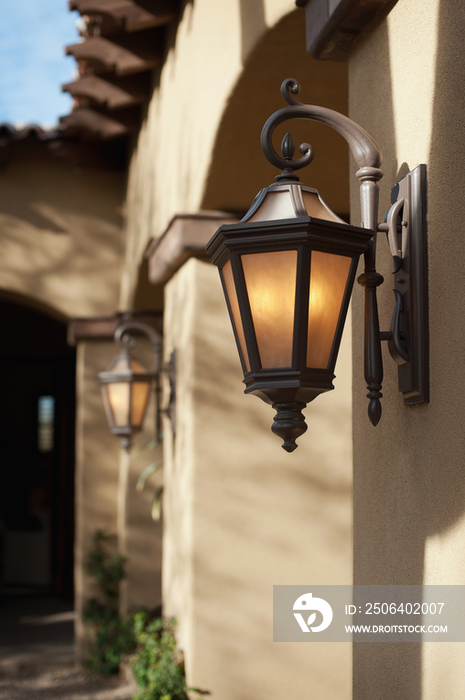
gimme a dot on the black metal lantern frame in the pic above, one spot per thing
(291, 383)
(290, 388)
(130, 373)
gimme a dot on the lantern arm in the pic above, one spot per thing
(153, 335)
(368, 158)
(365, 150)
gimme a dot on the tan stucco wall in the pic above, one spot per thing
(406, 89)
(172, 156)
(61, 240)
(199, 145)
(242, 515)
(97, 456)
(106, 497)
(140, 538)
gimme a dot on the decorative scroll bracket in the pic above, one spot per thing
(408, 338)
(170, 370)
(407, 231)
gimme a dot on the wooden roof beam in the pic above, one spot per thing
(83, 120)
(111, 92)
(103, 328)
(131, 15)
(124, 54)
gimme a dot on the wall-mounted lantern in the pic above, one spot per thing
(126, 383)
(288, 270)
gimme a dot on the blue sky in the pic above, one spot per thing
(33, 34)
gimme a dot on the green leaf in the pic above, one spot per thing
(148, 471)
(156, 504)
(112, 636)
(157, 666)
(198, 690)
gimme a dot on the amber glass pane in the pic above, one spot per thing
(328, 279)
(270, 280)
(233, 303)
(118, 398)
(139, 398)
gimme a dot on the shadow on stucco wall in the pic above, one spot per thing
(253, 24)
(238, 167)
(389, 526)
(60, 227)
(146, 294)
(409, 485)
(443, 475)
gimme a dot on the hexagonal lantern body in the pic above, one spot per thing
(125, 389)
(287, 271)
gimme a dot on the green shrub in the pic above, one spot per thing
(156, 665)
(113, 636)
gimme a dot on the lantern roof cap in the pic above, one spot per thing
(125, 368)
(288, 199)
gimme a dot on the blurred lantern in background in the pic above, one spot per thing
(126, 384)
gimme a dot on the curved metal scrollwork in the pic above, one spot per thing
(364, 149)
(125, 340)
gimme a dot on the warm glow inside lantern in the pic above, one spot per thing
(125, 389)
(288, 270)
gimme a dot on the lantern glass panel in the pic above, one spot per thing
(121, 365)
(277, 205)
(139, 398)
(317, 208)
(125, 364)
(271, 286)
(328, 279)
(118, 398)
(137, 367)
(280, 204)
(233, 303)
(106, 404)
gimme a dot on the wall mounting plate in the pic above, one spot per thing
(411, 280)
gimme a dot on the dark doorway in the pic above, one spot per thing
(37, 413)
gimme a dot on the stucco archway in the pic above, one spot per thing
(238, 168)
